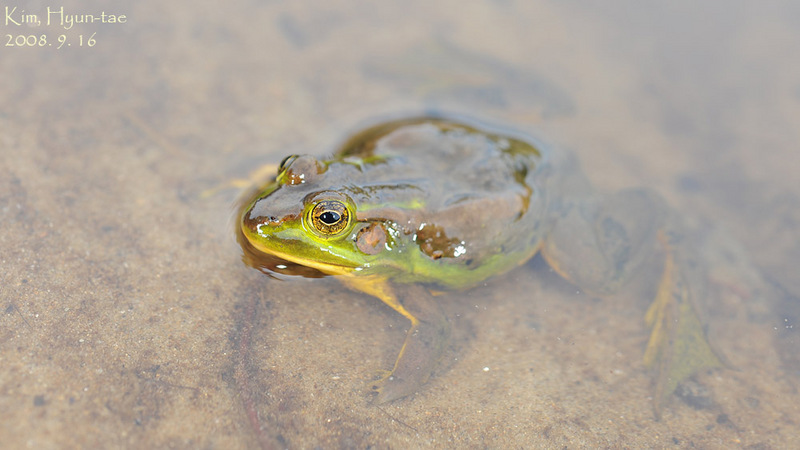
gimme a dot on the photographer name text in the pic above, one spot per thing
(57, 17)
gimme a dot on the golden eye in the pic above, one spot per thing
(330, 217)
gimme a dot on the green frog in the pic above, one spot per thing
(411, 207)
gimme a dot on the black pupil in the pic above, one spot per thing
(330, 217)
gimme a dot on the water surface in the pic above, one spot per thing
(126, 302)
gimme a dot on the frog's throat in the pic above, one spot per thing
(326, 268)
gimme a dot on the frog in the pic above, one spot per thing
(411, 207)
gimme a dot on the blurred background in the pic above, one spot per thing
(125, 301)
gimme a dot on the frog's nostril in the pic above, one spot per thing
(257, 222)
(253, 223)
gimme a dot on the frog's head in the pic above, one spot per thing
(304, 223)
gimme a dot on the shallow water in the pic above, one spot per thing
(126, 301)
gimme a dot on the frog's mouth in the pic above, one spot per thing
(271, 261)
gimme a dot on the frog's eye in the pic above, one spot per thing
(330, 217)
(285, 163)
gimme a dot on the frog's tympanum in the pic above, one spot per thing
(431, 204)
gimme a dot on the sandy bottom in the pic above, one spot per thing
(127, 306)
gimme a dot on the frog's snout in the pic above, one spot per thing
(253, 224)
(262, 214)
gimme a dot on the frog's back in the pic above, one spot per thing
(467, 202)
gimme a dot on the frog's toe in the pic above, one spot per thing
(390, 387)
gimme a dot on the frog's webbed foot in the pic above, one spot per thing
(678, 347)
(424, 345)
(599, 242)
(422, 349)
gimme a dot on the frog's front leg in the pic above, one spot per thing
(425, 341)
(599, 242)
